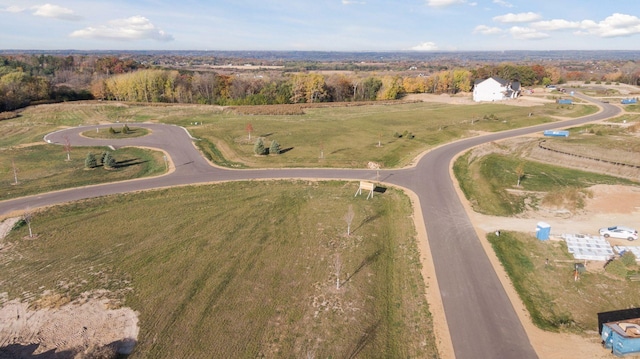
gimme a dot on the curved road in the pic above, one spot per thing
(481, 319)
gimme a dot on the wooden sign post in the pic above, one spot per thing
(366, 186)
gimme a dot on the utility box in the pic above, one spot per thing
(543, 230)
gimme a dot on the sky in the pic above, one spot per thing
(320, 25)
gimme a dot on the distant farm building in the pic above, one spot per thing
(495, 89)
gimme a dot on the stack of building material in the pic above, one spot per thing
(594, 248)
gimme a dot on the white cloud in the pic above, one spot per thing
(425, 46)
(613, 26)
(521, 17)
(556, 24)
(526, 33)
(14, 9)
(55, 11)
(486, 30)
(443, 3)
(502, 3)
(133, 28)
(350, 2)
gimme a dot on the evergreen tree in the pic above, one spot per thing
(90, 161)
(111, 130)
(274, 149)
(108, 161)
(258, 147)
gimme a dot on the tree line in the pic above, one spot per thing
(29, 79)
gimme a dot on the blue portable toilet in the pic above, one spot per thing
(542, 231)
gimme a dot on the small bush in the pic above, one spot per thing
(112, 131)
(19, 224)
(617, 268)
(628, 259)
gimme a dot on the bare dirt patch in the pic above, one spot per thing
(53, 328)
(75, 330)
(609, 205)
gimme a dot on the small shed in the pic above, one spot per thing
(565, 101)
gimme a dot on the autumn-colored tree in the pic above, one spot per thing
(391, 88)
(249, 129)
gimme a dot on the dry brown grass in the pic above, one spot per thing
(299, 108)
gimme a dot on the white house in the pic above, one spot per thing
(495, 89)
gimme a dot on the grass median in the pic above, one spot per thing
(44, 168)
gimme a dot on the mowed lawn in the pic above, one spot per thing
(239, 270)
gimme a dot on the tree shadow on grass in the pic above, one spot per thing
(367, 337)
(368, 219)
(285, 150)
(127, 163)
(369, 259)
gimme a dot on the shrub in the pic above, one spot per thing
(628, 259)
(126, 129)
(617, 268)
(112, 131)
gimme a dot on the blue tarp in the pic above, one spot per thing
(556, 133)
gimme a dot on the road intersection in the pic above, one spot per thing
(482, 321)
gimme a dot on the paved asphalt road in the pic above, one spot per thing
(481, 319)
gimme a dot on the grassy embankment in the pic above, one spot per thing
(554, 299)
(239, 270)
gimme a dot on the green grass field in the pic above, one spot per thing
(242, 270)
(485, 181)
(44, 168)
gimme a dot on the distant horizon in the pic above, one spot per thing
(360, 56)
(331, 25)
